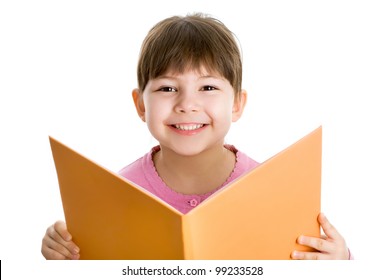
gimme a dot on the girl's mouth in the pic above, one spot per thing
(188, 127)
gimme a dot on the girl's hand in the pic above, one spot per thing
(58, 245)
(331, 246)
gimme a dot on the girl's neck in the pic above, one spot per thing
(198, 174)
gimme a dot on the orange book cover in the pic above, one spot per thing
(258, 216)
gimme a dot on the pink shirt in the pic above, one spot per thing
(143, 173)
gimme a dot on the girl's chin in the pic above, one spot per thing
(190, 148)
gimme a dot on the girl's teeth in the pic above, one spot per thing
(188, 127)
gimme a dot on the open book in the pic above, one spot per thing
(257, 216)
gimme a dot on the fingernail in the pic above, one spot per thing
(301, 239)
(295, 254)
(76, 250)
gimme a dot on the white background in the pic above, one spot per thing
(67, 69)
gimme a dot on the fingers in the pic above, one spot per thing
(51, 254)
(318, 244)
(299, 255)
(61, 229)
(57, 243)
(330, 246)
(55, 249)
(327, 227)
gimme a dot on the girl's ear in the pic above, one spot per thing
(139, 103)
(239, 105)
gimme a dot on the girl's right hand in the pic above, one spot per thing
(57, 243)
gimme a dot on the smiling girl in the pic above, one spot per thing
(189, 93)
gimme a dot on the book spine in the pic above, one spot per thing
(187, 238)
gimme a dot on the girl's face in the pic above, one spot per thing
(189, 112)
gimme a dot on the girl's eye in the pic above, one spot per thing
(208, 88)
(167, 89)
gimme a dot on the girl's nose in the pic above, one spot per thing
(187, 103)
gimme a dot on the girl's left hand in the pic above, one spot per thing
(331, 246)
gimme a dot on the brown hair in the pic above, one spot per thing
(180, 43)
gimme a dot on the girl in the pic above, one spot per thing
(189, 92)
